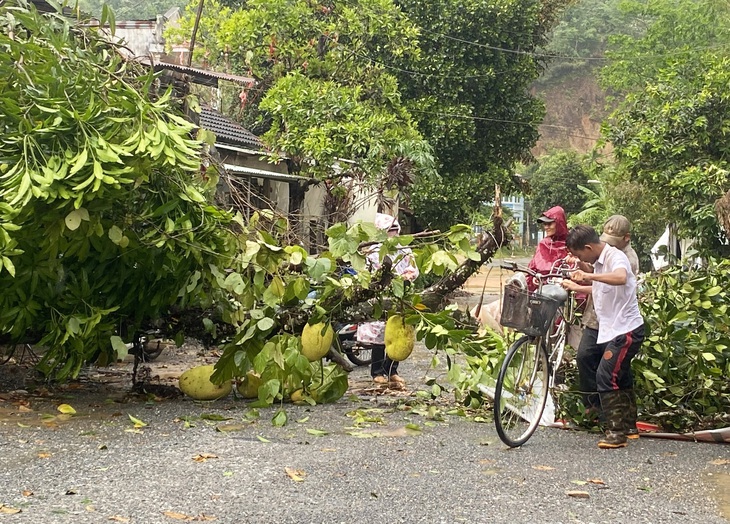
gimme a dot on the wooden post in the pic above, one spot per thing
(497, 201)
(195, 32)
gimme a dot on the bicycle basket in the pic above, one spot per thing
(528, 313)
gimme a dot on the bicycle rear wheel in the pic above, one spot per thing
(521, 391)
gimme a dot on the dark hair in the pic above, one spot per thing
(580, 236)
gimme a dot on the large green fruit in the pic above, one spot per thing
(315, 345)
(195, 383)
(399, 338)
(249, 386)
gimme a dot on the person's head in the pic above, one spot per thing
(584, 243)
(548, 225)
(388, 223)
(553, 223)
(617, 231)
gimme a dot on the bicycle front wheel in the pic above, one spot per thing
(521, 391)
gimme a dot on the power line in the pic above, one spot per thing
(502, 121)
(568, 57)
(492, 74)
(513, 51)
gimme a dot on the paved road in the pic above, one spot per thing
(357, 461)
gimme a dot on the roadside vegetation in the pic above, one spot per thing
(107, 214)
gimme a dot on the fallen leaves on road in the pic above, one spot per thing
(7, 510)
(27, 493)
(66, 409)
(720, 462)
(202, 457)
(137, 422)
(317, 432)
(597, 481)
(44, 455)
(118, 518)
(543, 468)
(297, 475)
(214, 416)
(578, 494)
(182, 516)
(225, 428)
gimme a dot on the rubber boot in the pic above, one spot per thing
(630, 416)
(614, 405)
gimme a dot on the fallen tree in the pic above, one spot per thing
(107, 225)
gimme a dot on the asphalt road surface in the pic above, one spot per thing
(375, 456)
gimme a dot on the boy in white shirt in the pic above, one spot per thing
(620, 325)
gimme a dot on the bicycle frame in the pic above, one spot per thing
(556, 338)
(520, 401)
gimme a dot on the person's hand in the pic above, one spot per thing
(572, 260)
(579, 276)
(410, 274)
(569, 285)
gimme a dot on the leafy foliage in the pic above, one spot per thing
(318, 97)
(468, 89)
(670, 133)
(616, 194)
(274, 285)
(555, 180)
(104, 218)
(661, 35)
(129, 9)
(681, 373)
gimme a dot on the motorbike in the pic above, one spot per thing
(359, 353)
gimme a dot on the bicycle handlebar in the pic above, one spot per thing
(562, 273)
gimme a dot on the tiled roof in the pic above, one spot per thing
(199, 73)
(228, 131)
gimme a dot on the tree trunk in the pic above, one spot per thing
(360, 307)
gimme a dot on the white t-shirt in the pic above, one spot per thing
(617, 307)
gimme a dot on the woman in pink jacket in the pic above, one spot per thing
(552, 247)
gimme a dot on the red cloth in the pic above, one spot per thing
(550, 248)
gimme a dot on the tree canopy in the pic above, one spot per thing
(104, 217)
(369, 80)
(554, 180)
(317, 98)
(670, 133)
(468, 88)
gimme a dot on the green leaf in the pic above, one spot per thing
(280, 418)
(79, 162)
(317, 432)
(265, 324)
(115, 234)
(137, 422)
(73, 220)
(8, 265)
(119, 346)
(214, 416)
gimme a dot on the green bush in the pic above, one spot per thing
(682, 371)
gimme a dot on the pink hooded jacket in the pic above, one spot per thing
(550, 248)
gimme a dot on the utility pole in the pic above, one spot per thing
(195, 31)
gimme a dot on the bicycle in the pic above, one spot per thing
(531, 364)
